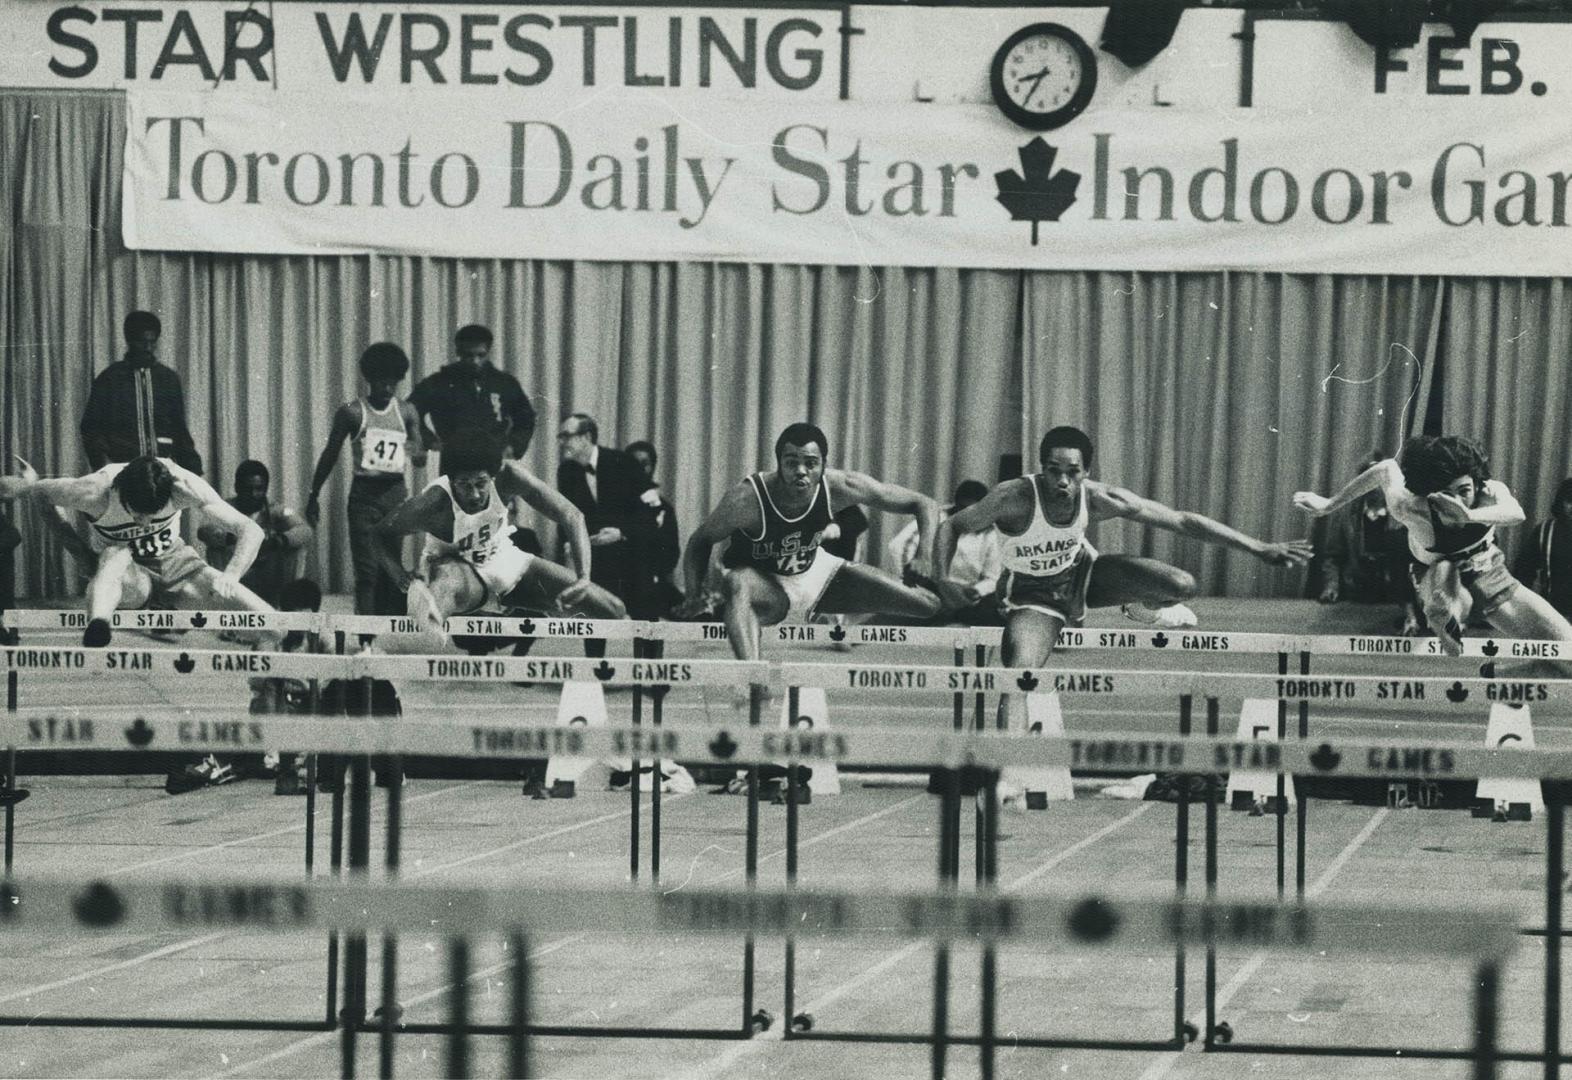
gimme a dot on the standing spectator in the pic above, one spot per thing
(136, 405)
(10, 540)
(470, 394)
(385, 438)
(656, 592)
(978, 562)
(1545, 563)
(618, 502)
(285, 535)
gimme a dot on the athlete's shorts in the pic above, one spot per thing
(1062, 596)
(1482, 577)
(500, 574)
(173, 568)
(805, 590)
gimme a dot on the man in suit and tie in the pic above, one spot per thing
(618, 501)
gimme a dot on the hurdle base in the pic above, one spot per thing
(12, 796)
(1502, 811)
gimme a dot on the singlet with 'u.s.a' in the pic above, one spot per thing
(476, 537)
(149, 541)
(787, 545)
(1046, 549)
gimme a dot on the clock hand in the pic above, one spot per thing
(1035, 80)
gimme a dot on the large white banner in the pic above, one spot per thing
(674, 176)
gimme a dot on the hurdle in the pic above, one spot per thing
(1249, 924)
(1352, 688)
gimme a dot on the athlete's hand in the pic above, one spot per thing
(955, 596)
(573, 595)
(651, 498)
(227, 586)
(920, 567)
(832, 531)
(1311, 503)
(313, 511)
(1329, 595)
(1448, 509)
(27, 472)
(608, 535)
(691, 605)
(1288, 553)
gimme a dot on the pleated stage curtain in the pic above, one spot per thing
(1216, 392)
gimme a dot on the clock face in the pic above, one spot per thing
(1043, 76)
(1042, 73)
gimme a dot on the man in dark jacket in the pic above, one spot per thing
(1545, 562)
(618, 502)
(472, 395)
(137, 405)
(656, 592)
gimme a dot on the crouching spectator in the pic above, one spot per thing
(978, 562)
(285, 535)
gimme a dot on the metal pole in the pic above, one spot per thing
(1181, 869)
(1555, 848)
(987, 1043)
(949, 871)
(655, 718)
(751, 863)
(518, 1019)
(1282, 788)
(390, 1006)
(1211, 881)
(1487, 1019)
(1303, 801)
(359, 781)
(789, 975)
(633, 780)
(458, 1009)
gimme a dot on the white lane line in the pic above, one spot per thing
(180, 946)
(156, 954)
(324, 1036)
(722, 1063)
(1160, 1068)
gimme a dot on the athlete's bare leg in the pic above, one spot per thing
(752, 600)
(544, 581)
(198, 592)
(1529, 615)
(866, 590)
(1131, 579)
(1029, 640)
(107, 589)
(452, 586)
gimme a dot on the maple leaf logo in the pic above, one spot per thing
(1037, 193)
(199, 620)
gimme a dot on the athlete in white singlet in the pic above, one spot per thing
(471, 563)
(383, 432)
(133, 511)
(1053, 575)
(1440, 489)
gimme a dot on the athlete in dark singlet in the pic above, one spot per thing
(775, 567)
(1053, 576)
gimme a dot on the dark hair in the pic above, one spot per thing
(643, 446)
(1066, 438)
(252, 468)
(1563, 492)
(469, 450)
(302, 594)
(970, 491)
(1431, 462)
(384, 360)
(142, 320)
(587, 426)
(145, 485)
(473, 334)
(801, 434)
